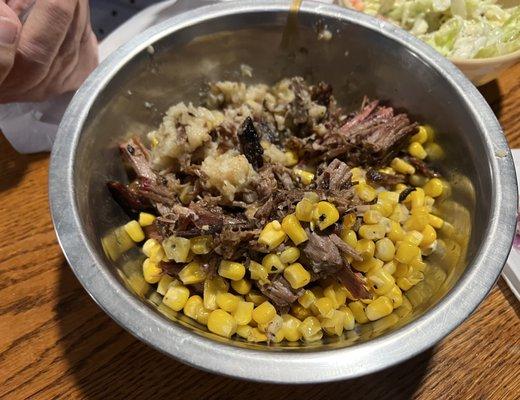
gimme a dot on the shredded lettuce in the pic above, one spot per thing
(456, 28)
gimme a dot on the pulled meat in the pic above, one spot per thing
(336, 176)
(383, 179)
(280, 292)
(421, 167)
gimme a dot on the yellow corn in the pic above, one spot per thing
(300, 311)
(406, 252)
(333, 325)
(396, 296)
(264, 313)
(192, 273)
(365, 192)
(416, 150)
(290, 328)
(222, 323)
(372, 217)
(176, 297)
(243, 286)
(146, 219)
(177, 248)
(358, 174)
(134, 230)
(379, 308)
(402, 270)
(367, 264)
(348, 221)
(157, 254)
(290, 255)
(273, 264)
(330, 293)
(324, 307)
(434, 187)
(243, 313)
(385, 250)
(192, 307)
(399, 214)
(272, 235)
(310, 327)
(349, 322)
(291, 158)
(231, 270)
(255, 335)
(306, 177)
(258, 271)
(434, 151)
(387, 170)
(413, 237)
(292, 227)
(212, 287)
(416, 222)
(421, 136)
(429, 236)
(358, 310)
(387, 196)
(416, 198)
(349, 237)
(385, 208)
(380, 280)
(151, 271)
(390, 267)
(400, 187)
(203, 316)
(402, 166)
(296, 275)
(307, 299)
(201, 244)
(429, 202)
(341, 294)
(304, 210)
(372, 232)
(255, 298)
(435, 221)
(396, 232)
(244, 331)
(366, 248)
(164, 284)
(418, 264)
(227, 301)
(325, 214)
(149, 245)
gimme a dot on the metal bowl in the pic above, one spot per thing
(171, 62)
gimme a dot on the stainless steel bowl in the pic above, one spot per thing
(127, 94)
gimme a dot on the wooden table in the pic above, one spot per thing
(55, 342)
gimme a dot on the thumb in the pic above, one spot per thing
(10, 28)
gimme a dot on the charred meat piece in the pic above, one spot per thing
(128, 198)
(383, 179)
(404, 194)
(336, 176)
(421, 167)
(250, 143)
(345, 248)
(280, 292)
(322, 93)
(136, 156)
(354, 284)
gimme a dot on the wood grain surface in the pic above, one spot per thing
(56, 343)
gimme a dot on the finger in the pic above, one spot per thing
(10, 28)
(41, 38)
(20, 6)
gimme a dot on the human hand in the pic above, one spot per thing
(52, 53)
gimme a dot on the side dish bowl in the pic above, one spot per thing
(171, 62)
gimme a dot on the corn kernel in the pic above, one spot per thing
(416, 222)
(387, 196)
(231, 270)
(434, 187)
(310, 327)
(396, 296)
(358, 310)
(406, 252)
(366, 248)
(402, 270)
(418, 264)
(379, 308)
(164, 284)
(372, 217)
(243, 313)
(324, 307)
(349, 237)
(222, 323)
(192, 273)
(243, 286)
(387, 170)
(192, 307)
(290, 255)
(244, 331)
(264, 313)
(227, 301)
(380, 281)
(325, 214)
(292, 227)
(416, 150)
(201, 244)
(416, 198)
(333, 325)
(304, 210)
(300, 312)
(330, 293)
(273, 264)
(368, 264)
(296, 275)
(429, 236)
(291, 158)
(151, 271)
(434, 151)
(307, 299)
(256, 336)
(306, 177)
(315, 337)
(157, 254)
(421, 136)
(372, 232)
(400, 187)
(396, 232)
(258, 271)
(177, 248)
(146, 219)
(342, 294)
(385, 250)
(404, 284)
(402, 166)
(358, 174)
(149, 245)
(400, 213)
(384, 207)
(349, 322)
(390, 267)
(290, 328)
(176, 297)
(413, 237)
(365, 192)
(255, 298)
(272, 235)
(203, 316)
(134, 230)
(429, 202)
(212, 287)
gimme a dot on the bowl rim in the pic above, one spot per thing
(276, 366)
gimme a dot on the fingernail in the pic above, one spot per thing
(8, 31)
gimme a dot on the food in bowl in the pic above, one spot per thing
(271, 213)
(458, 28)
